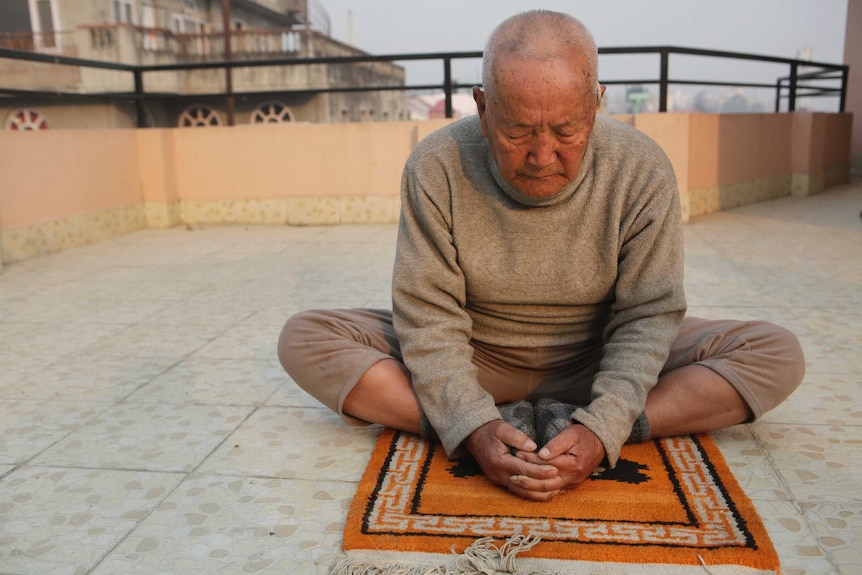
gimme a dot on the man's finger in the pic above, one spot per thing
(514, 437)
(552, 485)
(556, 447)
(537, 470)
(530, 457)
(517, 487)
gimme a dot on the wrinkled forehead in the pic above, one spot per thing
(520, 80)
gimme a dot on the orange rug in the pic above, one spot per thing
(671, 506)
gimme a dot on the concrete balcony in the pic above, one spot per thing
(147, 426)
(136, 45)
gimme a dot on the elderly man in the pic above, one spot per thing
(538, 306)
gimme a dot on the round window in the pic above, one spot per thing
(271, 113)
(199, 116)
(26, 119)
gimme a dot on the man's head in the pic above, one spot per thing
(539, 99)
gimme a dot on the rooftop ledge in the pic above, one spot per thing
(66, 188)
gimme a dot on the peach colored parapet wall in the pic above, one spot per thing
(66, 188)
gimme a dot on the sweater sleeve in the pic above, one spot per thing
(428, 300)
(649, 304)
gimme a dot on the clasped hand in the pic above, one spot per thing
(561, 465)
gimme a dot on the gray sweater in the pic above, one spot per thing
(601, 261)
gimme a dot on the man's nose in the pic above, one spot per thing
(543, 151)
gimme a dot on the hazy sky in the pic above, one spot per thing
(768, 27)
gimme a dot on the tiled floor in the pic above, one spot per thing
(146, 426)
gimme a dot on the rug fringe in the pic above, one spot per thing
(481, 558)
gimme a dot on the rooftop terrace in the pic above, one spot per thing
(146, 426)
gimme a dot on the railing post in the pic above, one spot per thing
(228, 71)
(140, 113)
(447, 85)
(663, 77)
(791, 97)
(778, 85)
(845, 72)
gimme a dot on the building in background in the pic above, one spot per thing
(157, 32)
(432, 106)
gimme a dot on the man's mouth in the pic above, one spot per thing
(538, 176)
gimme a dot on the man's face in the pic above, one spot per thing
(537, 120)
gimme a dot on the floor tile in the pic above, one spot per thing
(749, 464)
(190, 311)
(15, 367)
(149, 437)
(63, 521)
(804, 290)
(51, 341)
(168, 340)
(8, 336)
(794, 541)
(294, 443)
(84, 289)
(781, 316)
(833, 321)
(214, 381)
(291, 395)
(816, 462)
(17, 287)
(736, 294)
(838, 528)
(27, 427)
(244, 341)
(219, 524)
(43, 308)
(712, 269)
(850, 346)
(27, 277)
(822, 398)
(825, 354)
(86, 377)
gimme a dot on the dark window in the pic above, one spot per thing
(15, 16)
(46, 22)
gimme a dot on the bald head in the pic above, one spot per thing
(538, 104)
(540, 35)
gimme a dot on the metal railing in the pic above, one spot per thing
(55, 41)
(794, 86)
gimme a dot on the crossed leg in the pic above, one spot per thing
(718, 373)
(690, 399)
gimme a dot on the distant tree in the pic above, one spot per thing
(758, 107)
(735, 104)
(706, 103)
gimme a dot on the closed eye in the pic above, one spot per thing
(517, 135)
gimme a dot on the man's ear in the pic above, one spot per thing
(600, 93)
(479, 98)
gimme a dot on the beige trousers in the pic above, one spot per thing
(326, 352)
